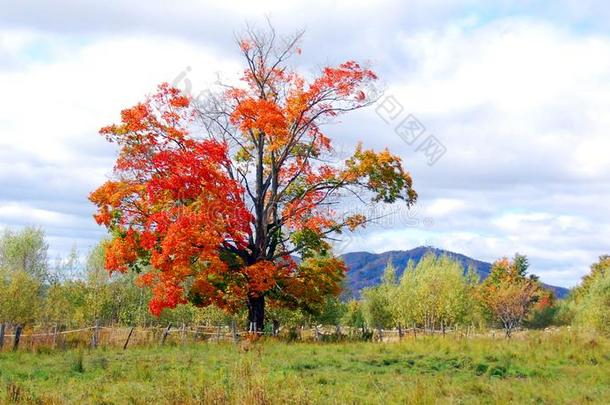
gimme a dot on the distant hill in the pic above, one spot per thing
(365, 269)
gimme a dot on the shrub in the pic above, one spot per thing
(594, 309)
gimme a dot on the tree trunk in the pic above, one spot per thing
(1, 335)
(256, 313)
(276, 327)
(18, 330)
(508, 326)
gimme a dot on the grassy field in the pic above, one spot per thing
(559, 367)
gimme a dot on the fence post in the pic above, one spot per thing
(165, 333)
(128, 337)
(94, 338)
(62, 337)
(276, 327)
(55, 336)
(1, 335)
(338, 331)
(414, 330)
(183, 332)
(234, 330)
(218, 332)
(399, 331)
(17, 337)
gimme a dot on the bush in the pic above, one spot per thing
(542, 318)
(77, 364)
(594, 309)
(566, 312)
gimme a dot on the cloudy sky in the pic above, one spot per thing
(517, 97)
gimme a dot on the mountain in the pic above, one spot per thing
(365, 269)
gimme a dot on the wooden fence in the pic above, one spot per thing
(116, 336)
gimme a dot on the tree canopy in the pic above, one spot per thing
(210, 201)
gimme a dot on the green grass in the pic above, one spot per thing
(540, 368)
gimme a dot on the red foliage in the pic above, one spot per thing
(215, 219)
(172, 204)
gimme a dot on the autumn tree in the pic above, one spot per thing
(544, 311)
(508, 294)
(215, 213)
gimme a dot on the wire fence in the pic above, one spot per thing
(121, 336)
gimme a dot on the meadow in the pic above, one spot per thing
(533, 367)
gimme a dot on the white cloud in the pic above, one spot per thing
(444, 206)
(27, 214)
(519, 102)
(519, 105)
(51, 156)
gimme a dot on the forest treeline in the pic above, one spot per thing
(434, 294)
